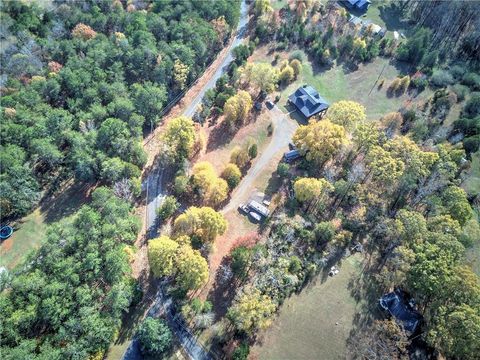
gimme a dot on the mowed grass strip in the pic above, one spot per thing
(316, 323)
(28, 237)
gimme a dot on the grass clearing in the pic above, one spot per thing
(306, 326)
(255, 132)
(27, 237)
(338, 83)
(472, 180)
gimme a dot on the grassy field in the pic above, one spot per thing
(30, 231)
(337, 83)
(29, 235)
(472, 182)
(316, 323)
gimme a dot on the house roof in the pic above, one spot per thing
(397, 304)
(308, 101)
(359, 4)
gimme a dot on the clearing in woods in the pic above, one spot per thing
(316, 323)
(338, 83)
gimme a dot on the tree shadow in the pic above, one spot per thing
(223, 293)
(296, 115)
(136, 312)
(220, 135)
(66, 202)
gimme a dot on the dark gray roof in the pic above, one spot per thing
(399, 307)
(308, 101)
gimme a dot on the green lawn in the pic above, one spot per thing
(361, 85)
(381, 13)
(316, 323)
(27, 237)
(472, 182)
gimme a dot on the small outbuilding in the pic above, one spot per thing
(308, 101)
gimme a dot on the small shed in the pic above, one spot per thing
(308, 101)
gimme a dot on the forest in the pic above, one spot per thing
(387, 177)
(81, 83)
(83, 79)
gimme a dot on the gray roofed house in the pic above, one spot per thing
(307, 100)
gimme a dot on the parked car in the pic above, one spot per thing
(291, 156)
(255, 216)
(269, 104)
(243, 209)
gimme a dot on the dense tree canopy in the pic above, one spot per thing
(72, 293)
(84, 79)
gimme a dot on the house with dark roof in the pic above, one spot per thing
(397, 303)
(307, 100)
(361, 5)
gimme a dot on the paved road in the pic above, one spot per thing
(283, 129)
(154, 180)
(155, 196)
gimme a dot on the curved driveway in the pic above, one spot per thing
(283, 129)
(155, 196)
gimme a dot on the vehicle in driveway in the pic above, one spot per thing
(255, 216)
(242, 208)
(291, 156)
(269, 104)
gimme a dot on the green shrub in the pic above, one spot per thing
(457, 71)
(297, 54)
(472, 80)
(282, 169)
(155, 337)
(253, 151)
(168, 208)
(441, 78)
(472, 106)
(461, 91)
(241, 352)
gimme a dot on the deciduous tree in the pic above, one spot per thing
(179, 138)
(203, 223)
(192, 269)
(346, 113)
(251, 311)
(162, 254)
(320, 141)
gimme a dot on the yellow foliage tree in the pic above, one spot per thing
(232, 175)
(252, 311)
(212, 189)
(239, 157)
(161, 256)
(319, 141)
(385, 168)
(179, 138)
(180, 74)
(346, 113)
(262, 76)
(262, 7)
(296, 66)
(307, 189)
(287, 74)
(192, 268)
(204, 223)
(237, 107)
